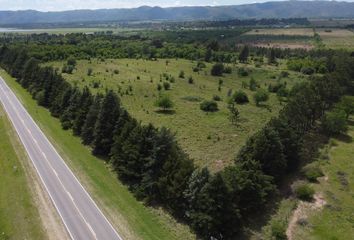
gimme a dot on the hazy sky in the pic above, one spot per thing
(59, 5)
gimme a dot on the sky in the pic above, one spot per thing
(60, 5)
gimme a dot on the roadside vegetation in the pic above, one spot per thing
(19, 216)
(86, 95)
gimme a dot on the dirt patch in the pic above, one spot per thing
(302, 211)
(51, 222)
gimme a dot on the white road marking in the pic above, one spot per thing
(49, 144)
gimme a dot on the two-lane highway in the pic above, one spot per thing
(79, 213)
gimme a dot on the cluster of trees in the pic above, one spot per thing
(156, 169)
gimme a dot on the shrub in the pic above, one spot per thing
(228, 70)
(201, 65)
(164, 102)
(216, 98)
(116, 71)
(242, 72)
(304, 191)
(209, 106)
(312, 172)
(166, 85)
(284, 74)
(89, 71)
(240, 97)
(159, 87)
(252, 84)
(68, 69)
(307, 70)
(181, 74)
(335, 122)
(260, 96)
(190, 80)
(278, 229)
(217, 69)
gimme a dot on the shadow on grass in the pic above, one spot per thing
(166, 111)
(344, 138)
(265, 106)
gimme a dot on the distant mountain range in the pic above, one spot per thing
(286, 9)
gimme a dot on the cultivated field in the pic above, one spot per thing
(283, 31)
(337, 38)
(209, 138)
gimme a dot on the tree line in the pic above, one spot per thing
(156, 169)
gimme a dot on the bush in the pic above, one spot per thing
(89, 71)
(335, 122)
(217, 69)
(228, 70)
(209, 106)
(240, 97)
(242, 72)
(68, 69)
(307, 70)
(260, 96)
(181, 74)
(164, 102)
(166, 85)
(304, 191)
(116, 71)
(278, 229)
(190, 80)
(252, 84)
(284, 74)
(216, 98)
(312, 172)
(159, 87)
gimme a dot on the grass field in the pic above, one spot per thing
(334, 38)
(337, 38)
(132, 219)
(283, 31)
(19, 218)
(336, 219)
(209, 138)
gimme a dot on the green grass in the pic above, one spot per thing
(210, 139)
(132, 219)
(19, 218)
(336, 219)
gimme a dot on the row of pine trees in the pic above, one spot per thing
(157, 170)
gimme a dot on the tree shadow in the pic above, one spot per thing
(344, 138)
(265, 106)
(166, 111)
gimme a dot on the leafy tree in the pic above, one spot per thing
(335, 122)
(217, 69)
(87, 131)
(243, 57)
(347, 105)
(234, 113)
(71, 61)
(164, 102)
(272, 56)
(105, 124)
(260, 96)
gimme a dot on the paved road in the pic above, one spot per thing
(79, 213)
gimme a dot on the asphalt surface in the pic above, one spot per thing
(79, 213)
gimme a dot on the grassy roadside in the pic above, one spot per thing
(19, 218)
(132, 219)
